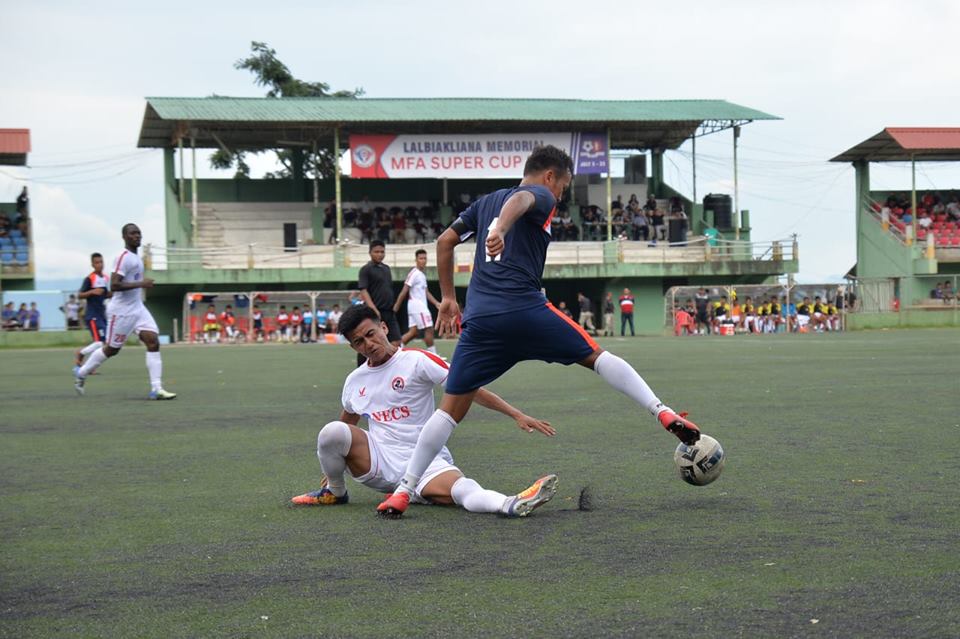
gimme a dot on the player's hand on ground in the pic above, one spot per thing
(530, 424)
(447, 315)
(494, 243)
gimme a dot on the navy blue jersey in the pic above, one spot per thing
(510, 281)
(95, 308)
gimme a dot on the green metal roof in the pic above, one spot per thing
(268, 122)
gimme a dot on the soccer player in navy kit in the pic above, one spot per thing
(95, 289)
(508, 319)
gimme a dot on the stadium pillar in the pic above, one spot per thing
(193, 194)
(336, 180)
(913, 195)
(316, 185)
(446, 194)
(609, 191)
(180, 153)
(736, 185)
(694, 140)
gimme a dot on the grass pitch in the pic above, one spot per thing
(838, 513)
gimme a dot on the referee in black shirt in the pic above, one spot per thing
(376, 288)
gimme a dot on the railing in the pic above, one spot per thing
(697, 250)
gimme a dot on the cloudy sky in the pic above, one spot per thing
(837, 72)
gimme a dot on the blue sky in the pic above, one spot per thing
(837, 72)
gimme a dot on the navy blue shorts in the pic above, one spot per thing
(490, 345)
(97, 327)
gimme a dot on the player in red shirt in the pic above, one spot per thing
(626, 312)
(229, 322)
(283, 324)
(211, 325)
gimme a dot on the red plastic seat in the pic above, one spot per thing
(955, 240)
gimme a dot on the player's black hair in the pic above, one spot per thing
(375, 243)
(93, 256)
(123, 231)
(548, 157)
(420, 252)
(352, 317)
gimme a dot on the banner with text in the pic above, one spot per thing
(468, 156)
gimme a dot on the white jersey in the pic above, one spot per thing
(128, 302)
(396, 397)
(417, 282)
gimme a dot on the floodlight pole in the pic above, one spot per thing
(336, 176)
(736, 184)
(913, 197)
(609, 191)
(316, 184)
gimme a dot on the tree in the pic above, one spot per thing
(270, 72)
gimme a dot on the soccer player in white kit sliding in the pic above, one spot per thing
(126, 314)
(418, 315)
(393, 389)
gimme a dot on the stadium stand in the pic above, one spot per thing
(938, 215)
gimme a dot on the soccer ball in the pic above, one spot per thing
(701, 463)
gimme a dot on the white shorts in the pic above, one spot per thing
(419, 317)
(803, 320)
(119, 327)
(388, 463)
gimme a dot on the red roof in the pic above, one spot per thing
(14, 141)
(916, 139)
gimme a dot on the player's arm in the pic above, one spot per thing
(86, 290)
(511, 211)
(349, 418)
(448, 310)
(432, 299)
(526, 423)
(402, 296)
(117, 283)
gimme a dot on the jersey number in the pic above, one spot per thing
(493, 225)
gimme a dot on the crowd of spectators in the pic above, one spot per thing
(706, 315)
(22, 319)
(16, 223)
(936, 214)
(396, 224)
(944, 291)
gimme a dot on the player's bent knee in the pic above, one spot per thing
(461, 488)
(335, 437)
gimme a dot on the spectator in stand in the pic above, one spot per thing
(71, 309)
(590, 223)
(953, 209)
(211, 325)
(399, 230)
(23, 203)
(619, 224)
(333, 319)
(330, 221)
(5, 224)
(364, 207)
(228, 321)
(306, 336)
(9, 317)
(677, 213)
(702, 301)
(924, 220)
(948, 293)
(563, 309)
(608, 310)
(641, 226)
(633, 201)
(384, 226)
(626, 312)
(296, 324)
(937, 292)
(283, 324)
(322, 318)
(617, 204)
(655, 215)
(586, 313)
(33, 316)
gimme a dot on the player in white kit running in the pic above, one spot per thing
(393, 390)
(127, 314)
(418, 314)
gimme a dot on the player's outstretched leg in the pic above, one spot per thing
(97, 357)
(619, 374)
(333, 446)
(472, 497)
(536, 495)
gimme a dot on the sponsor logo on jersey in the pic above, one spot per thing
(363, 391)
(393, 414)
(397, 384)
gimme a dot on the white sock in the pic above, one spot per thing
(333, 445)
(155, 369)
(89, 348)
(432, 349)
(434, 435)
(625, 379)
(96, 358)
(473, 497)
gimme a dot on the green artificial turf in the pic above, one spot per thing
(838, 513)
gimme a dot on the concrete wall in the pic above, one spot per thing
(909, 318)
(44, 339)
